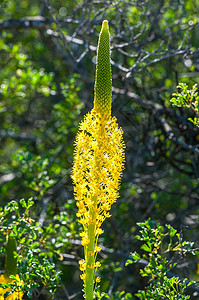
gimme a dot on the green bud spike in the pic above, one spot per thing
(11, 260)
(103, 82)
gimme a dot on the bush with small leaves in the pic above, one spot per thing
(34, 260)
(163, 247)
(187, 98)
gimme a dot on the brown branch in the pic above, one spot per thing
(18, 137)
(31, 22)
(157, 110)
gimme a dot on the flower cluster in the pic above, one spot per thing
(97, 169)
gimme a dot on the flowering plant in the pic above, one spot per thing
(98, 164)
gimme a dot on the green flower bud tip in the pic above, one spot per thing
(103, 81)
(11, 260)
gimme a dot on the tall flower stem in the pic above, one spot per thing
(90, 248)
(98, 165)
(90, 259)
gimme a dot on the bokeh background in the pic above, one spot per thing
(47, 69)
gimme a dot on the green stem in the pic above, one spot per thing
(90, 259)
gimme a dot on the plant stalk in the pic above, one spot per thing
(90, 259)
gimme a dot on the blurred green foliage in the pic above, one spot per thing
(47, 61)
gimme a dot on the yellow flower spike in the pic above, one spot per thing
(98, 164)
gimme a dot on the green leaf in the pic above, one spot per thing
(23, 203)
(146, 247)
(29, 294)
